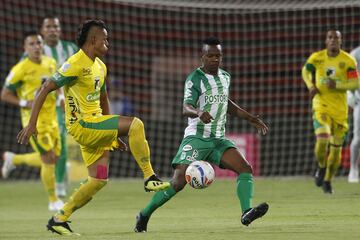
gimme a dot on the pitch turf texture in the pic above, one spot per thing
(298, 210)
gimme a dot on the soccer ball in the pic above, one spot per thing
(199, 174)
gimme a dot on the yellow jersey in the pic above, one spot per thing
(83, 79)
(25, 79)
(319, 68)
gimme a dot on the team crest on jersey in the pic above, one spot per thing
(86, 71)
(65, 67)
(341, 65)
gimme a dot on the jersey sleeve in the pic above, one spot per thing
(308, 72)
(67, 74)
(352, 75)
(103, 66)
(14, 79)
(191, 92)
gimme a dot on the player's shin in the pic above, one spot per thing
(321, 151)
(81, 197)
(158, 200)
(334, 161)
(245, 190)
(139, 147)
(47, 175)
(30, 159)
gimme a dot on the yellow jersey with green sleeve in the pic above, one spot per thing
(25, 79)
(83, 80)
(342, 69)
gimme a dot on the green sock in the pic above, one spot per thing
(60, 167)
(245, 190)
(158, 200)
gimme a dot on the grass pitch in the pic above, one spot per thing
(298, 210)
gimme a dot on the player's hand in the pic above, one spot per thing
(313, 91)
(331, 84)
(259, 124)
(205, 117)
(25, 134)
(122, 145)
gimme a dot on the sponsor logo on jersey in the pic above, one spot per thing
(73, 109)
(219, 98)
(91, 97)
(194, 156)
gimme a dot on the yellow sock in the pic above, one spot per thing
(47, 174)
(139, 147)
(334, 161)
(321, 151)
(80, 197)
(30, 159)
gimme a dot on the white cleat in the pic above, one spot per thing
(56, 206)
(60, 190)
(353, 176)
(8, 165)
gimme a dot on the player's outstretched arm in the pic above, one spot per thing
(235, 110)
(25, 134)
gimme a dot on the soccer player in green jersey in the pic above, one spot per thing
(21, 86)
(206, 104)
(60, 50)
(89, 122)
(328, 74)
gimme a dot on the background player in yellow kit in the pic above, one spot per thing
(328, 74)
(22, 83)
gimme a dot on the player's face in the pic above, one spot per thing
(211, 59)
(51, 30)
(33, 46)
(101, 43)
(333, 40)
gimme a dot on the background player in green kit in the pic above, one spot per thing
(206, 104)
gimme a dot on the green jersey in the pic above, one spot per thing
(61, 52)
(208, 93)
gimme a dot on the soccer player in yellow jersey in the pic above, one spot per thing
(88, 121)
(328, 74)
(22, 83)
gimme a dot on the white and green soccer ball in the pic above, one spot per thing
(200, 174)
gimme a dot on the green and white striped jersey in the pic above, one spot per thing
(61, 52)
(207, 93)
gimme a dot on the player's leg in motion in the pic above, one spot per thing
(233, 160)
(355, 147)
(60, 169)
(139, 147)
(322, 133)
(178, 182)
(98, 178)
(47, 175)
(12, 160)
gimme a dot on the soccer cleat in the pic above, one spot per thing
(56, 206)
(154, 184)
(327, 187)
(141, 223)
(61, 228)
(8, 165)
(254, 213)
(319, 176)
(353, 176)
(60, 190)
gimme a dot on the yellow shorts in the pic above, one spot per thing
(47, 140)
(95, 135)
(336, 127)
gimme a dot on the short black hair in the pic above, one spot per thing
(30, 33)
(211, 41)
(84, 29)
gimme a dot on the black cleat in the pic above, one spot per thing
(61, 228)
(254, 213)
(327, 187)
(141, 223)
(154, 184)
(319, 176)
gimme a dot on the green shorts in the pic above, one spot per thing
(193, 148)
(95, 135)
